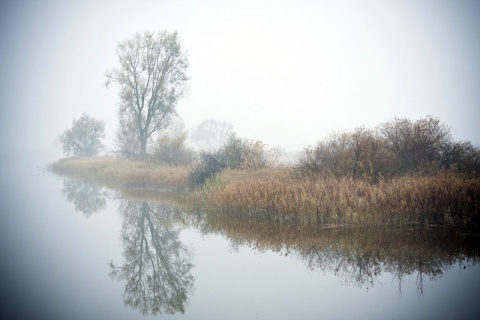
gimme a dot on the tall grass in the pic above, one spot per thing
(121, 173)
(283, 195)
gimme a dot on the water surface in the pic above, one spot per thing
(74, 250)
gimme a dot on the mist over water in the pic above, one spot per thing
(76, 250)
(288, 73)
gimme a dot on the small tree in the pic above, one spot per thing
(170, 147)
(248, 154)
(84, 138)
(211, 134)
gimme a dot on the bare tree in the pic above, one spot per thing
(152, 78)
(211, 134)
(84, 138)
(157, 267)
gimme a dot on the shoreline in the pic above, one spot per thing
(281, 194)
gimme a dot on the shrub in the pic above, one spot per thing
(396, 148)
(210, 164)
(357, 154)
(173, 151)
(461, 156)
(237, 153)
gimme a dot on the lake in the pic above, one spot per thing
(74, 250)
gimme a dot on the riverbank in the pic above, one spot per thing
(283, 195)
(123, 174)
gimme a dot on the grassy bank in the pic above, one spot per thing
(283, 195)
(119, 173)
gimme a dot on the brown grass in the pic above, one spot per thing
(282, 195)
(119, 173)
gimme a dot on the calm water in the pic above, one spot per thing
(71, 250)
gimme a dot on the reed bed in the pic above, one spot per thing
(283, 195)
(121, 173)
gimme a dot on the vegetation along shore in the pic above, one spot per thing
(352, 178)
(402, 172)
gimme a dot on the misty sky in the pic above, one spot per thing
(286, 72)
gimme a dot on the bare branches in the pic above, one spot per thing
(151, 76)
(157, 267)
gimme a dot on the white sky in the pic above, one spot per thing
(285, 72)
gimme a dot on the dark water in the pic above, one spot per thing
(71, 250)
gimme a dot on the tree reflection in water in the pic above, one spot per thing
(357, 256)
(157, 268)
(87, 198)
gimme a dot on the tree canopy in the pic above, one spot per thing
(84, 138)
(152, 78)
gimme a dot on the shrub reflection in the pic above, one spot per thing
(356, 256)
(157, 266)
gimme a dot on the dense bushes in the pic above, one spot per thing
(394, 148)
(462, 157)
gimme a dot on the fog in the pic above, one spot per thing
(285, 72)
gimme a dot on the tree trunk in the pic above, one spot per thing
(143, 145)
(143, 148)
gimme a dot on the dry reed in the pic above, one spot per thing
(282, 195)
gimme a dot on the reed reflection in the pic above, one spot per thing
(157, 266)
(87, 197)
(355, 256)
